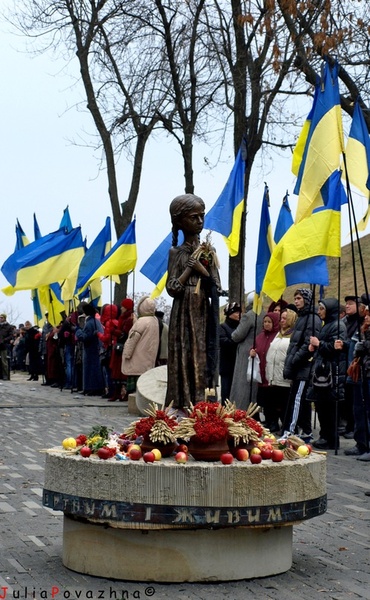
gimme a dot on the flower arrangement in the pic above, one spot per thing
(209, 422)
(254, 431)
(157, 427)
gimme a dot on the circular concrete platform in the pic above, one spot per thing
(167, 522)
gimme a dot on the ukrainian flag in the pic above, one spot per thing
(318, 235)
(226, 214)
(284, 220)
(324, 144)
(358, 159)
(93, 256)
(301, 271)
(47, 298)
(155, 268)
(264, 250)
(21, 238)
(119, 260)
(44, 261)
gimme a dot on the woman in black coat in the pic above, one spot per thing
(328, 358)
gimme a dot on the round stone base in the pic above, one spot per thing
(176, 555)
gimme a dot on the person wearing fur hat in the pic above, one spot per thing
(242, 391)
(120, 333)
(228, 348)
(298, 365)
(141, 347)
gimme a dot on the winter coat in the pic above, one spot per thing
(275, 360)
(141, 348)
(6, 334)
(298, 362)
(243, 391)
(263, 341)
(228, 347)
(92, 373)
(332, 330)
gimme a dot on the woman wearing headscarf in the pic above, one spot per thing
(260, 349)
(328, 357)
(141, 348)
(242, 391)
(277, 396)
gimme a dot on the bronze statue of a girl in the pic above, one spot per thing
(194, 284)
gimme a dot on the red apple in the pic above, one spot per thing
(309, 448)
(255, 459)
(181, 457)
(85, 451)
(277, 455)
(149, 457)
(135, 453)
(226, 458)
(182, 448)
(104, 453)
(266, 452)
(242, 454)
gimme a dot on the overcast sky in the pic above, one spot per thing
(43, 169)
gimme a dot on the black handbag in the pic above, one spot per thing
(118, 348)
(322, 376)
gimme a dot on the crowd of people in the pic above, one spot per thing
(304, 354)
(95, 352)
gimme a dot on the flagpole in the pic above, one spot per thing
(364, 386)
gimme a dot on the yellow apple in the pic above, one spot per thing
(255, 450)
(303, 450)
(157, 453)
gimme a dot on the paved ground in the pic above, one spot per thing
(331, 554)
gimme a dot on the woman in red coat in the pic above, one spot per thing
(120, 335)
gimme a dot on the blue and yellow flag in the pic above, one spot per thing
(155, 268)
(264, 249)
(318, 235)
(358, 159)
(93, 256)
(44, 261)
(301, 271)
(47, 298)
(119, 260)
(20, 237)
(284, 220)
(324, 144)
(66, 222)
(225, 216)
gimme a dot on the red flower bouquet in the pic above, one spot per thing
(157, 427)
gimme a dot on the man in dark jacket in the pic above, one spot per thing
(298, 365)
(330, 356)
(353, 320)
(228, 348)
(6, 334)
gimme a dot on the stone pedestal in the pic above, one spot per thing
(177, 555)
(168, 522)
(151, 387)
